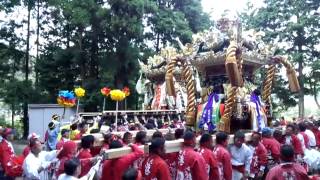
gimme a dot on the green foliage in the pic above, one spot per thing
(90, 43)
(294, 27)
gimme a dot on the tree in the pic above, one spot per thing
(294, 25)
(169, 19)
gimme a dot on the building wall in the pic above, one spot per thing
(40, 116)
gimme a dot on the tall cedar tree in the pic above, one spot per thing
(295, 25)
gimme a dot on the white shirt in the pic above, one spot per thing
(32, 163)
(91, 173)
(301, 139)
(241, 156)
(67, 177)
(312, 138)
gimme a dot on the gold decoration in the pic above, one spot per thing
(232, 65)
(191, 104)
(266, 92)
(292, 77)
(225, 120)
(169, 78)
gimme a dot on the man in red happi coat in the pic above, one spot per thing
(190, 164)
(259, 159)
(223, 156)
(316, 132)
(114, 169)
(291, 139)
(303, 137)
(83, 128)
(140, 139)
(288, 169)
(153, 166)
(64, 138)
(272, 146)
(10, 163)
(206, 146)
(85, 153)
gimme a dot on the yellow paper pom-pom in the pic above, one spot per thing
(117, 95)
(80, 92)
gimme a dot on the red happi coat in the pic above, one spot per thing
(224, 162)
(61, 143)
(114, 169)
(191, 165)
(26, 151)
(294, 141)
(85, 154)
(138, 163)
(273, 149)
(259, 159)
(211, 163)
(171, 160)
(153, 167)
(305, 139)
(11, 164)
(287, 171)
(316, 133)
(78, 136)
(315, 177)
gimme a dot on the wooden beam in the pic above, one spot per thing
(99, 137)
(170, 146)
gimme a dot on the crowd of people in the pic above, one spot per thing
(280, 153)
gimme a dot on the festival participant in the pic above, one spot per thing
(241, 156)
(291, 139)
(259, 159)
(132, 174)
(277, 135)
(114, 169)
(283, 122)
(74, 131)
(311, 135)
(190, 164)
(86, 143)
(107, 138)
(68, 151)
(83, 128)
(72, 170)
(52, 136)
(170, 158)
(85, 153)
(26, 150)
(141, 138)
(153, 166)
(36, 163)
(10, 163)
(157, 134)
(272, 146)
(288, 169)
(303, 137)
(178, 133)
(206, 146)
(223, 156)
(127, 138)
(55, 119)
(64, 138)
(316, 132)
